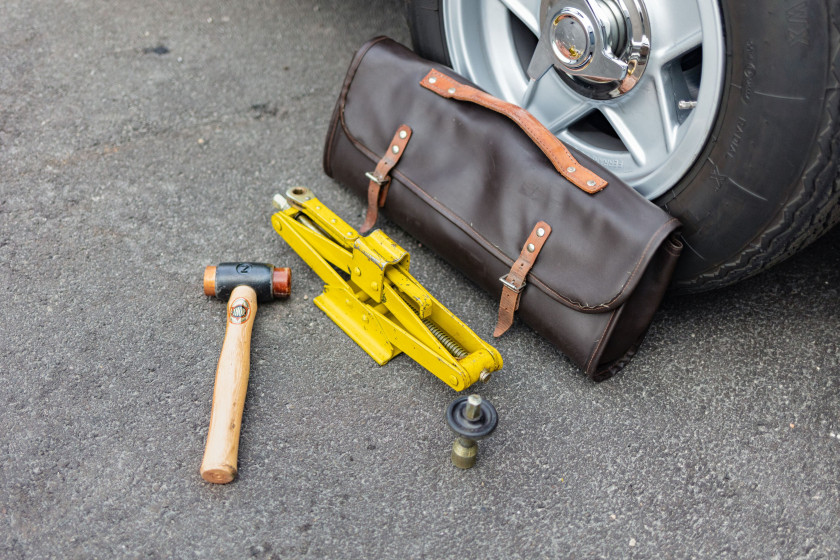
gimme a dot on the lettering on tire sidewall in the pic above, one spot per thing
(240, 310)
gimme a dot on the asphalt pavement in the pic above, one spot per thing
(142, 141)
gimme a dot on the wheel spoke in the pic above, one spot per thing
(554, 104)
(677, 29)
(528, 96)
(644, 123)
(527, 11)
(570, 115)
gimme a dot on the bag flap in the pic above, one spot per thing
(486, 175)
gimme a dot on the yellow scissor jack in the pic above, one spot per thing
(372, 297)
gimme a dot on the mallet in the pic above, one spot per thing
(243, 284)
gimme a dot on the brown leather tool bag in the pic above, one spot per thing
(577, 254)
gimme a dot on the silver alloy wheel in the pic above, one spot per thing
(649, 135)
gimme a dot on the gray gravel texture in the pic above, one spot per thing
(142, 141)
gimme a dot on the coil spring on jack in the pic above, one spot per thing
(447, 341)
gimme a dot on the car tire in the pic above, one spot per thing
(765, 184)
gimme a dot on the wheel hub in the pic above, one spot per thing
(571, 39)
(599, 47)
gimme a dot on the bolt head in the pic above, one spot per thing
(473, 408)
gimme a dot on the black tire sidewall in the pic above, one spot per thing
(771, 111)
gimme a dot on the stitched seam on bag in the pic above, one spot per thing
(464, 226)
(536, 281)
(600, 341)
(331, 140)
(642, 258)
(550, 291)
(345, 89)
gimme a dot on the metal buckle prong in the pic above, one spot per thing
(379, 181)
(512, 286)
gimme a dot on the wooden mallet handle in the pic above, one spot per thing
(220, 454)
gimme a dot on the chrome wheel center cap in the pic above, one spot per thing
(572, 38)
(599, 47)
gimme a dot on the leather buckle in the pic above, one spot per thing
(378, 180)
(512, 286)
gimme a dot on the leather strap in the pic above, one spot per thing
(514, 282)
(563, 161)
(380, 179)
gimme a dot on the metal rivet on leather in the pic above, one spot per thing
(451, 90)
(432, 80)
(570, 169)
(395, 149)
(540, 232)
(591, 183)
(403, 134)
(531, 247)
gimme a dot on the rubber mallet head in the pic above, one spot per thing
(243, 284)
(268, 281)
